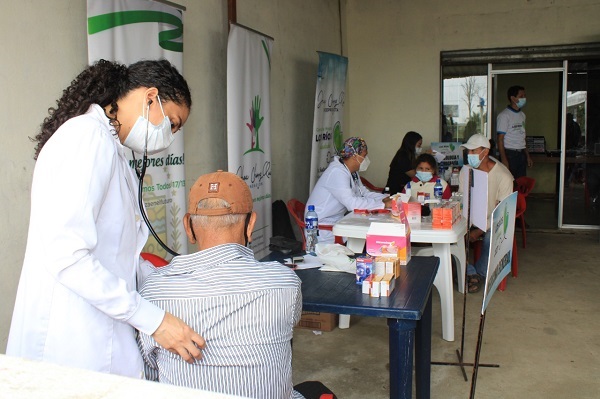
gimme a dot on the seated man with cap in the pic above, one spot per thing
(500, 186)
(245, 309)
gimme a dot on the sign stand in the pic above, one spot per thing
(460, 353)
(502, 231)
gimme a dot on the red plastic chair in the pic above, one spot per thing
(296, 209)
(154, 259)
(370, 185)
(514, 266)
(524, 185)
(520, 216)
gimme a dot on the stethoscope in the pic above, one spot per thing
(355, 179)
(140, 174)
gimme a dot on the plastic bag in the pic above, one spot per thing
(336, 258)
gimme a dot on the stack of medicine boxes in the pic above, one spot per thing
(377, 274)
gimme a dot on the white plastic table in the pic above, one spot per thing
(354, 227)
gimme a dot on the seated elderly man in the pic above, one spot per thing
(246, 310)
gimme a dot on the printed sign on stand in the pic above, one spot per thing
(501, 245)
(479, 200)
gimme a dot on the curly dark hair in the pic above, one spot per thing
(104, 83)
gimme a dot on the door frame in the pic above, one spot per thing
(494, 72)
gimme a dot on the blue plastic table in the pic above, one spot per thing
(408, 311)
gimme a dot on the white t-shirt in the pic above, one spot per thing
(511, 124)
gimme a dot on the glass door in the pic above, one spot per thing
(581, 144)
(543, 83)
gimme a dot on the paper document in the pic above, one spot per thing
(308, 262)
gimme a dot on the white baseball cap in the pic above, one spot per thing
(476, 141)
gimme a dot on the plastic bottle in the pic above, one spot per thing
(312, 227)
(438, 190)
(407, 189)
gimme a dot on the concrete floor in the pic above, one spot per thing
(543, 331)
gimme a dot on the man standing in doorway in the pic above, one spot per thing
(510, 127)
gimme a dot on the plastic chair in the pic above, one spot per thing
(156, 260)
(524, 185)
(370, 185)
(514, 266)
(296, 209)
(520, 216)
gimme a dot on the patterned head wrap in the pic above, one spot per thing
(353, 145)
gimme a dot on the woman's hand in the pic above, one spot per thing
(177, 337)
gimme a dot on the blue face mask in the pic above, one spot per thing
(474, 160)
(521, 102)
(424, 176)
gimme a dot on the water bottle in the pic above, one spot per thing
(438, 190)
(312, 226)
(407, 189)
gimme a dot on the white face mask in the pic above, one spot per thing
(146, 136)
(364, 164)
(418, 150)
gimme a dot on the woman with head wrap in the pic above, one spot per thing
(339, 190)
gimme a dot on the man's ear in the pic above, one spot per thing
(187, 224)
(250, 227)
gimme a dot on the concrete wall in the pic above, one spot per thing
(394, 52)
(39, 61)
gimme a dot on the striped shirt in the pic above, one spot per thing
(245, 310)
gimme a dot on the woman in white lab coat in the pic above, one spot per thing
(77, 303)
(339, 189)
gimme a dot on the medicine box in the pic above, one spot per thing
(445, 215)
(364, 268)
(386, 286)
(389, 240)
(412, 210)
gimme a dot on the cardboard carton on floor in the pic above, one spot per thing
(318, 321)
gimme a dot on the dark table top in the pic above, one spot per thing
(337, 292)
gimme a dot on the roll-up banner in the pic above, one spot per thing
(128, 31)
(249, 123)
(328, 133)
(501, 246)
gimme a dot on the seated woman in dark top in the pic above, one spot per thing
(402, 167)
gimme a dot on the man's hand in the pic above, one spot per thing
(529, 161)
(475, 234)
(177, 337)
(387, 202)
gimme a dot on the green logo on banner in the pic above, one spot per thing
(166, 38)
(338, 139)
(255, 122)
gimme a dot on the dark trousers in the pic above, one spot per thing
(517, 162)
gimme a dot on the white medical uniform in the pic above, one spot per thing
(336, 193)
(77, 303)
